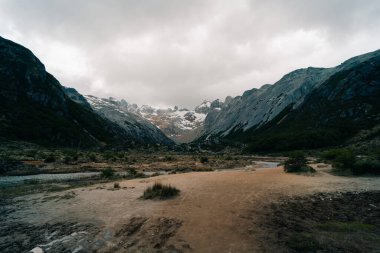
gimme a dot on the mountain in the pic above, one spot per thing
(307, 108)
(179, 124)
(135, 125)
(35, 107)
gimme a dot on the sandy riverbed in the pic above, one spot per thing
(210, 215)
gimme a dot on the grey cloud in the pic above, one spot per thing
(172, 52)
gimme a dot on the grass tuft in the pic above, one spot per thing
(346, 227)
(160, 191)
(303, 242)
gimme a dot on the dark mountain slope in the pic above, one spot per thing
(347, 102)
(34, 107)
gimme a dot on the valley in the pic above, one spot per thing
(291, 166)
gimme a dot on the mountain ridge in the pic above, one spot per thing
(179, 124)
(258, 109)
(35, 107)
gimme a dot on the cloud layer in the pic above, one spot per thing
(173, 52)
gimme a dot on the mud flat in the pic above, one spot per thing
(219, 211)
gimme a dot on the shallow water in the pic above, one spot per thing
(16, 180)
(263, 164)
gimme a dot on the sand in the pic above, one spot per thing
(213, 212)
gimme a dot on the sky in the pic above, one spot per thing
(172, 52)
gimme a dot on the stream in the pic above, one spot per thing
(17, 180)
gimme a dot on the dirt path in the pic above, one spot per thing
(212, 214)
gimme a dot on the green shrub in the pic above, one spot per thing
(347, 227)
(376, 154)
(50, 159)
(72, 154)
(204, 159)
(168, 158)
(108, 155)
(132, 171)
(297, 162)
(160, 191)
(92, 157)
(366, 166)
(332, 154)
(303, 242)
(67, 159)
(107, 173)
(32, 153)
(75, 156)
(344, 160)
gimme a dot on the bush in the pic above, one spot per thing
(67, 159)
(109, 156)
(116, 185)
(168, 158)
(377, 154)
(366, 166)
(303, 242)
(160, 191)
(71, 155)
(332, 154)
(132, 172)
(32, 153)
(50, 159)
(204, 159)
(92, 157)
(7, 164)
(107, 173)
(344, 160)
(297, 162)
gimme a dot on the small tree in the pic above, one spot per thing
(204, 159)
(107, 173)
(345, 160)
(297, 162)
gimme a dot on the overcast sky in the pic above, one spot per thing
(175, 52)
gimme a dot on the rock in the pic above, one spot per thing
(37, 250)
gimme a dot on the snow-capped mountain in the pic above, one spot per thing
(179, 124)
(206, 107)
(119, 113)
